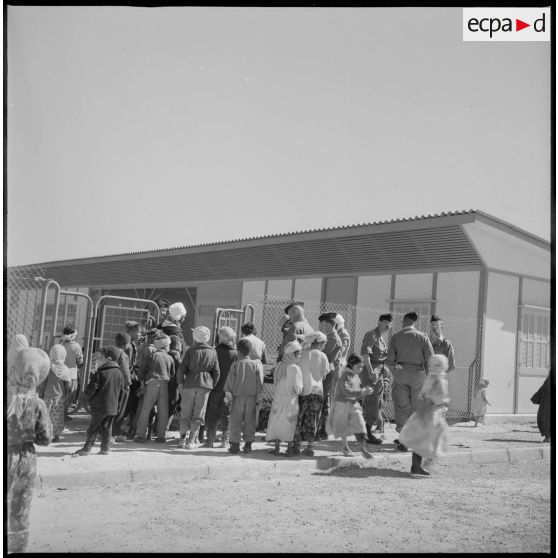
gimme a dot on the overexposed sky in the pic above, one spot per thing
(135, 129)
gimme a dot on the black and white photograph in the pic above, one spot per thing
(279, 279)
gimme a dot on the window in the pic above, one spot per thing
(534, 340)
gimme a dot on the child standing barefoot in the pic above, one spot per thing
(27, 424)
(346, 415)
(480, 402)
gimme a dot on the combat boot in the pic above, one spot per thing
(416, 467)
(235, 448)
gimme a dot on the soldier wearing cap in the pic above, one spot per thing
(375, 374)
(440, 344)
(408, 354)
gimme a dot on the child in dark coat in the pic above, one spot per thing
(217, 410)
(104, 393)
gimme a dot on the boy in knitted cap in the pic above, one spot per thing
(156, 382)
(103, 392)
(74, 362)
(243, 387)
(196, 377)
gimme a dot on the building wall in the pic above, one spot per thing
(373, 293)
(535, 293)
(214, 295)
(499, 356)
(252, 293)
(457, 298)
(506, 252)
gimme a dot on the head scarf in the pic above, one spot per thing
(68, 337)
(29, 368)
(288, 358)
(57, 366)
(201, 334)
(19, 341)
(227, 335)
(177, 311)
(161, 342)
(339, 320)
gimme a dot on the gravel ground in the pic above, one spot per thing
(469, 508)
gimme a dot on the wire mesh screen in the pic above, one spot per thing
(112, 321)
(464, 333)
(24, 296)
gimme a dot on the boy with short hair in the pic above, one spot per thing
(103, 392)
(156, 381)
(243, 387)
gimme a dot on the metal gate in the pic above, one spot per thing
(108, 318)
(233, 318)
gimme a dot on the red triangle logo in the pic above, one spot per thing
(519, 25)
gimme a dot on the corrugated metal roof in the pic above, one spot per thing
(426, 248)
(282, 235)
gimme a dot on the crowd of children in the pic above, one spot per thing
(141, 383)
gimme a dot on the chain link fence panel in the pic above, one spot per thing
(465, 335)
(23, 301)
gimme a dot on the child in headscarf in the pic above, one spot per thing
(27, 424)
(58, 388)
(74, 362)
(480, 402)
(283, 415)
(346, 412)
(19, 342)
(425, 432)
(315, 367)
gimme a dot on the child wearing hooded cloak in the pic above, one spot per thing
(27, 424)
(57, 389)
(283, 415)
(425, 431)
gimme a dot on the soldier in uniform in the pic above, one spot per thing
(375, 374)
(408, 354)
(440, 344)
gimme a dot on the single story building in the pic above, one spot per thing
(489, 280)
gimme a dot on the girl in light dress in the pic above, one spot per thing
(346, 413)
(283, 415)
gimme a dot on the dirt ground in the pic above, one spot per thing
(466, 508)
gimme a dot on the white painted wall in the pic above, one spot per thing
(415, 286)
(280, 287)
(457, 297)
(536, 293)
(528, 385)
(252, 292)
(504, 251)
(214, 295)
(500, 340)
(373, 292)
(308, 289)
